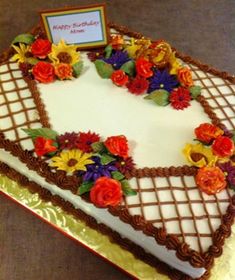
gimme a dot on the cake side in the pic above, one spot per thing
(136, 173)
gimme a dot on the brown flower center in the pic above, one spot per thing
(197, 156)
(72, 162)
(64, 57)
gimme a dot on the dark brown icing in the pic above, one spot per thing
(138, 222)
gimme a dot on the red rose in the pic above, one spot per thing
(138, 86)
(117, 145)
(41, 48)
(119, 78)
(207, 132)
(211, 180)
(106, 192)
(223, 146)
(43, 72)
(44, 146)
(143, 68)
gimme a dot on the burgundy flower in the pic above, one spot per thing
(68, 140)
(125, 165)
(85, 140)
(229, 170)
(138, 86)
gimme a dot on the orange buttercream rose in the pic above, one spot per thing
(119, 78)
(143, 68)
(106, 192)
(63, 71)
(211, 180)
(223, 146)
(207, 132)
(185, 77)
(117, 145)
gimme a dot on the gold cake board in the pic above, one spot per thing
(100, 244)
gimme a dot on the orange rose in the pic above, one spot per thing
(117, 145)
(119, 78)
(211, 180)
(117, 42)
(223, 146)
(106, 192)
(185, 77)
(143, 68)
(44, 146)
(207, 132)
(64, 71)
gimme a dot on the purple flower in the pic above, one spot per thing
(229, 169)
(162, 80)
(97, 170)
(117, 59)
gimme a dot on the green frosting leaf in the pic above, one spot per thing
(195, 91)
(43, 132)
(106, 159)
(129, 68)
(117, 175)
(85, 187)
(98, 147)
(32, 60)
(77, 68)
(126, 188)
(108, 51)
(104, 69)
(24, 38)
(160, 97)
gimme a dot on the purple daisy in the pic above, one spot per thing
(162, 80)
(68, 140)
(229, 169)
(117, 59)
(97, 170)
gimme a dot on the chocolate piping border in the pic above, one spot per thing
(183, 252)
(125, 243)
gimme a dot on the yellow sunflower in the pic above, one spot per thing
(199, 156)
(21, 51)
(71, 160)
(63, 53)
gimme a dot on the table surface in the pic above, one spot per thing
(204, 29)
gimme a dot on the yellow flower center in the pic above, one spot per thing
(161, 86)
(122, 162)
(72, 162)
(64, 57)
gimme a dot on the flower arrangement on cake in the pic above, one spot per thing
(45, 62)
(214, 155)
(149, 68)
(101, 165)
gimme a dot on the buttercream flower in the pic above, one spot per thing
(211, 180)
(119, 78)
(85, 139)
(68, 141)
(97, 170)
(106, 192)
(41, 48)
(64, 71)
(185, 77)
(180, 98)
(199, 155)
(21, 53)
(229, 171)
(133, 48)
(117, 41)
(143, 68)
(137, 86)
(44, 146)
(175, 64)
(158, 53)
(43, 72)
(96, 54)
(125, 164)
(117, 59)
(71, 160)
(223, 146)
(207, 132)
(63, 53)
(162, 80)
(117, 145)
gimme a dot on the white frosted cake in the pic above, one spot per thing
(169, 217)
